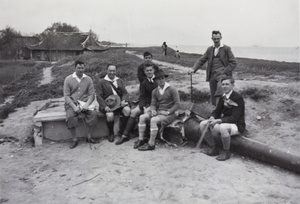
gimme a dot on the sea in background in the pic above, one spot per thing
(286, 54)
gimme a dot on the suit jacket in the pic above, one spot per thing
(232, 114)
(104, 89)
(226, 56)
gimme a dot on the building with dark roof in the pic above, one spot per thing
(61, 45)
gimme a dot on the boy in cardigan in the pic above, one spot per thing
(226, 120)
(165, 101)
(112, 85)
(79, 88)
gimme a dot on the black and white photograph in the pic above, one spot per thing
(149, 102)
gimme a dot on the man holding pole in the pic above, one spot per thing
(220, 63)
(226, 120)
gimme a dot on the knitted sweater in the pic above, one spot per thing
(169, 101)
(74, 90)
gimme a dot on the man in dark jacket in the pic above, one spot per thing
(113, 87)
(226, 120)
(220, 63)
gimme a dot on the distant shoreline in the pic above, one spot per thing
(279, 54)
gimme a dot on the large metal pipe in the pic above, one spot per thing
(248, 147)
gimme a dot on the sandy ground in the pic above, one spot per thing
(106, 173)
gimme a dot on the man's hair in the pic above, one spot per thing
(216, 32)
(111, 65)
(148, 64)
(147, 54)
(231, 79)
(78, 62)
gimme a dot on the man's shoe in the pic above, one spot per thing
(111, 138)
(225, 154)
(91, 140)
(74, 144)
(214, 151)
(139, 143)
(146, 147)
(122, 140)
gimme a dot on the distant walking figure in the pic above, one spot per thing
(164, 48)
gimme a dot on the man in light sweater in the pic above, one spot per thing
(164, 102)
(79, 94)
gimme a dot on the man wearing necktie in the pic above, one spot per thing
(220, 63)
(226, 120)
(112, 85)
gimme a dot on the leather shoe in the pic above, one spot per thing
(91, 140)
(122, 140)
(139, 143)
(225, 154)
(213, 151)
(74, 144)
(146, 147)
(111, 138)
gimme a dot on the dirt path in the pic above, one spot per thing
(52, 173)
(47, 77)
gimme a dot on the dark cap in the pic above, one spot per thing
(160, 73)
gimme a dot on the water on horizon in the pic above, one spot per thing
(286, 54)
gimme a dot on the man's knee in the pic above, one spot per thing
(154, 122)
(109, 116)
(126, 111)
(135, 112)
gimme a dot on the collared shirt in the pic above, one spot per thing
(227, 95)
(217, 49)
(151, 79)
(74, 75)
(162, 90)
(114, 81)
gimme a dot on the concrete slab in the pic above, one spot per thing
(53, 117)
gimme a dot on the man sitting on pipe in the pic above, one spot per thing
(226, 120)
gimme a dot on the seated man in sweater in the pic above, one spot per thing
(226, 120)
(165, 101)
(79, 94)
(146, 88)
(109, 86)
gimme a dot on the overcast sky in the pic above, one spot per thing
(178, 22)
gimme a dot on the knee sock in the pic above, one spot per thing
(226, 143)
(142, 129)
(123, 124)
(129, 126)
(110, 126)
(153, 134)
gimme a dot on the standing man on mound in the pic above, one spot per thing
(113, 101)
(165, 101)
(79, 93)
(147, 61)
(226, 120)
(220, 63)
